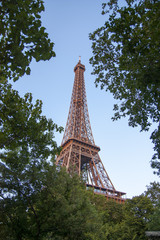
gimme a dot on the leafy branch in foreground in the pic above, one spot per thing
(126, 61)
(22, 37)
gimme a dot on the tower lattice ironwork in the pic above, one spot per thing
(79, 152)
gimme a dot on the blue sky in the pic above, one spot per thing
(125, 152)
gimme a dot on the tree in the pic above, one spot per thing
(124, 221)
(110, 210)
(126, 61)
(153, 192)
(111, 213)
(137, 213)
(113, 216)
(22, 37)
(26, 143)
(154, 222)
(37, 201)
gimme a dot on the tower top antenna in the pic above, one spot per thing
(79, 58)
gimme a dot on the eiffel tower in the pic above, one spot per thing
(79, 153)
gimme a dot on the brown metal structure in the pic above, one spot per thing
(79, 152)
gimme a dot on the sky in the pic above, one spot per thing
(125, 151)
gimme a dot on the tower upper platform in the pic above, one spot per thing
(79, 65)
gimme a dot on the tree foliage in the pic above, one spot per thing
(37, 201)
(137, 213)
(59, 209)
(124, 221)
(154, 221)
(126, 61)
(153, 192)
(22, 37)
